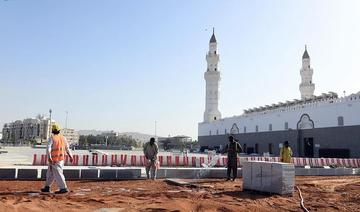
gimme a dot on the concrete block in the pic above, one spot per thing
(89, 173)
(313, 171)
(348, 171)
(217, 173)
(246, 175)
(161, 173)
(128, 173)
(301, 172)
(70, 174)
(327, 172)
(7, 174)
(256, 176)
(282, 179)
(27, 174)
(183, 173)
(268, 177)
(108, 174)
(193, 173)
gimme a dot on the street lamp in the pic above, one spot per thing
(50, 111)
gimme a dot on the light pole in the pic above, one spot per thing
(155, 129)
(50, 111)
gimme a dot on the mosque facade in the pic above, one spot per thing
(323, 125)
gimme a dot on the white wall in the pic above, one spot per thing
(324, 113)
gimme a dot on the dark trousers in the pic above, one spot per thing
(232, 166)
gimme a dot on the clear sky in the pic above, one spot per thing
(121, 65)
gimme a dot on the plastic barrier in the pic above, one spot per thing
(185, 161)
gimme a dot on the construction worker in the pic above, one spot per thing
(150, 151)
(232, 149)
(56, 149)
(286, 153)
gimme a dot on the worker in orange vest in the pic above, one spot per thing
(56, 149)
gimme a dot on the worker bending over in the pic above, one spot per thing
(56, 149)
(150, 151)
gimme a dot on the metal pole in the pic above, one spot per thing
(50, 111)
(155, 130)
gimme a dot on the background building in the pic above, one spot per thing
(323, 125)
(71, 136)
(179, 142)
(27, 130)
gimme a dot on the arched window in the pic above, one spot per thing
(210, 132)
(270, 127)
(225, 131)
(244, 129)
(217, 132)
(340, 121)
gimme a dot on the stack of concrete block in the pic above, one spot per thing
(269, 177)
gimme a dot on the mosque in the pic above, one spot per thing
(323, 125)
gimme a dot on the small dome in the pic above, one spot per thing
(306, 54)
(213, 39)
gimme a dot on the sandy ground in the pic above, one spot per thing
(320, 193)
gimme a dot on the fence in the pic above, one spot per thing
(188, 161)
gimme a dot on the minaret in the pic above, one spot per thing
(212, 78)
(306, 86)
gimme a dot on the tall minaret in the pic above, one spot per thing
(306, 86)
(212, 78)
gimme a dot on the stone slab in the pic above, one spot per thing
(183, 173)
(89, 174)
(7, 174)
(128, 173)
(70, 174)
(327, 172)
(27, 174)
(301, 172)
(269, 177)
(108, 174)
(195, 173)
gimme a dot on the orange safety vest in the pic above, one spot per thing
(58, 148)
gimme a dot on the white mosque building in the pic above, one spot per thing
(325, 125)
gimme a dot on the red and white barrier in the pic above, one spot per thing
(187, 161)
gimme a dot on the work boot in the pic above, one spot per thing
(62, 191)
(45, 189)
